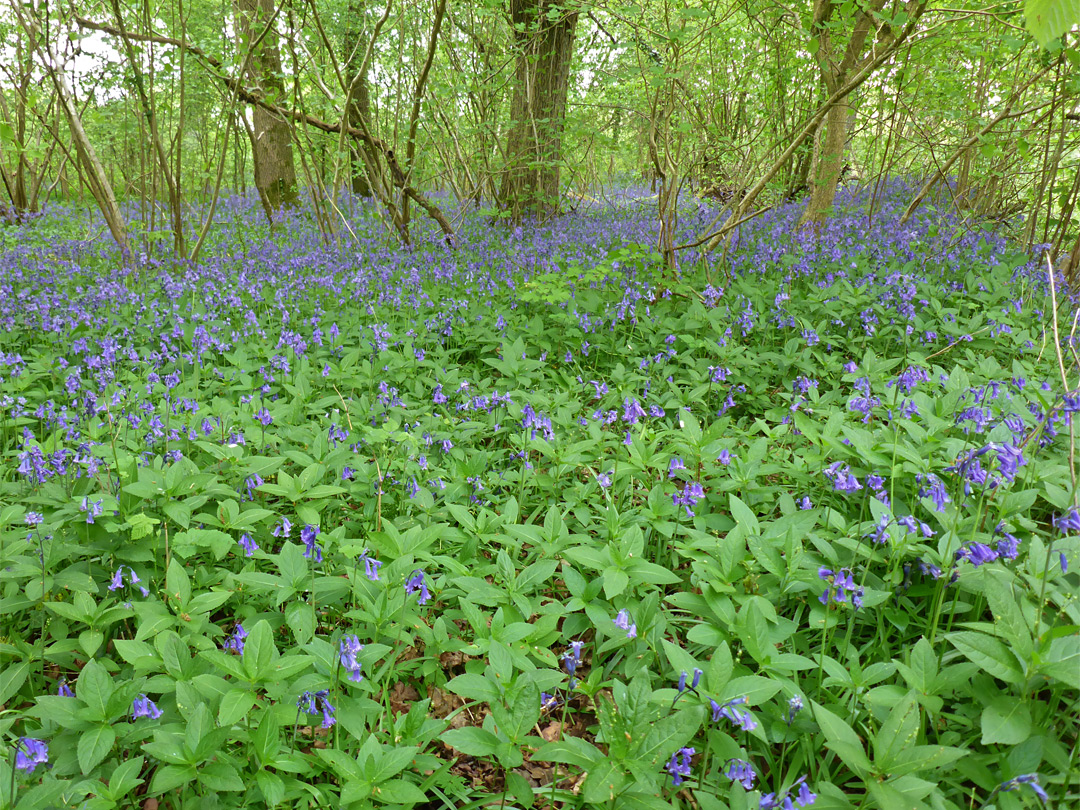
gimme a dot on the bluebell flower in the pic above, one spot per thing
(1069, 523)
(33, 518)
(1029, 779)
(235, 642)
(632, 411)
(622, 621)
(674, 465)
(63, 690)
(247, 544)
(604, 480)
(729, 711)
(416, 583)
(976, 553)
(805, 503)
(117, 581)
(349, 648)
(841, 477)
(263, 417)
(29, 753)
(841, 583)
(311, 546)
(371, 566)
(724, 457)
(283, 529)
(795, 705)
(315, 702)
(679, 765)
(92, 508)
(572, 659)
(142, 706)
(741, 771)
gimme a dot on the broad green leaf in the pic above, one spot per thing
(1006, 720)
(94, 745)
(989, 653)
(1049, 19)
(476, 742)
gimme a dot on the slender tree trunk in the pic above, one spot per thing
(827, 163)
(544, 32)
(270, 134)
(359, 102)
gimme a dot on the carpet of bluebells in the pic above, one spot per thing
(530, 523)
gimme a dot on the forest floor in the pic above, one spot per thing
(526, 524)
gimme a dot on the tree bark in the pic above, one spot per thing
(827, 163)
(359, 101)
(270, 134)
(544, 33)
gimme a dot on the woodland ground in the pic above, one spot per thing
(523, 524)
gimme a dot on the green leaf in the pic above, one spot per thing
(221, 776)
(898, 732)
(94, 688)
(843, 740)
(94, 745)
(476, 742)
(259, 650)
(570, 751)
(399, 791)
(125, 777)
(1006, 720)
(989, 653)
(234, 706)
(474, 686)
(1049, 19)
(12, 678)
(170, 777)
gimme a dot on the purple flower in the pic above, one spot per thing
(247, 544)
(806, 503)
(235, 642)
(142, 706)
(314, 702)
(349, 648)
(976, 553)
(795, 705)
(29, 753)
(741, 771)
(33, 518)
(1069, 523)
(571, 659)
(263, 417)
(622, 621)
(737, 717)
(843, 480)
(63, 690)
(283, 530)
(632, 411)
(371, 566)
(724, 457)
(675, 465)
(604, 480)
(679, 765)
(416, 583)
(311, 547)
(841, 582)
(1029, 779)
(690, 495)
(92, 508)
(117, 581)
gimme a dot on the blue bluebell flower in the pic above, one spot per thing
(29, 753)
(349, 648)
(623, 622)
(741, 771)
(679, 765)
(416, 583)
(142, 706)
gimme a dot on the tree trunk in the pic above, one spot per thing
(359, 103)
(827, 164)
(270, 135)
(544, 33)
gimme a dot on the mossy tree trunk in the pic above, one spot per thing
(544, 34)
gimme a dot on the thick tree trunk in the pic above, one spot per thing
(270, 134)
(359, 103)
(827, 164)
(545, 39)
